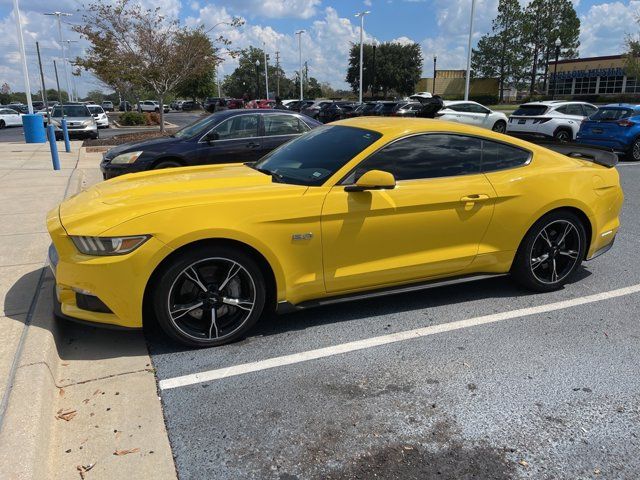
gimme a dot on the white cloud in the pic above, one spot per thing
(403, 40)
(604, 27)
(274, 8)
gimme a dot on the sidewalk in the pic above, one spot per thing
(99, 384)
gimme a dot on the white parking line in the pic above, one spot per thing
(275, 362)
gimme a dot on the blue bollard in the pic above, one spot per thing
(65, 135)
(51, 131)
(33, 128)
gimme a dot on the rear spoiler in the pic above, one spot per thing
(600, 155)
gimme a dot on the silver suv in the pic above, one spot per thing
(557, 119)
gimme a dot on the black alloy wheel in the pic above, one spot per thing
(551, 252)
(500, 126)
(210, 297)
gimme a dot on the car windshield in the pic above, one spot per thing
(199, 127)
(93, 109)
(530, 110)
(71, 111)
(611, 114)
(313, 157)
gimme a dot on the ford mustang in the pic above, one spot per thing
(364, 206)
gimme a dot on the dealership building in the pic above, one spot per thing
(602, 76)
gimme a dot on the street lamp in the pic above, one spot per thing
(361, 15)
(266, 72)
(299, 33)
(435, 61)
(257, 79)
(23, 55)
(555, 67)
(373, 82)
(64, 56)
(468, 79)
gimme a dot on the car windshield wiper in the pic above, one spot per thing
(277, 177)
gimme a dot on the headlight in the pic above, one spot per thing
(126, 158)
(86, 123)
(103, 246)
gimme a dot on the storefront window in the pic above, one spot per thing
(585, 85)
(562, 87)
(610, 84)
(633, 85)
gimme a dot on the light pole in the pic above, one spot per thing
(266, 72)
(435, 61)
(468, 79)
(555, 68)
(373, 80)
(73, 77)
(361, 15)
(257, 79)
(299, 33)
(64, 56)
(25, 71)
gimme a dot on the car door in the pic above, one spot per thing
(234, 140)
(10, 117)
(479, 115)
(430, 224)
(278, 128)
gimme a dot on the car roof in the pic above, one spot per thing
(262, 111)
(622, 105)
(552, 103)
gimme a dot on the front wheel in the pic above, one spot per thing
(167, 164)
(209, 296)
(634, 151)
(550, 252)
(2, 124)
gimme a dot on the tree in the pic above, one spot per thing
(198, 86)
(397, 68)
(247, 79)
(544, 22)
(134, 49)
(502, 53)
(632, 57)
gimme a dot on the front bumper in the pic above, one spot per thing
(118, 282)
(111, 171)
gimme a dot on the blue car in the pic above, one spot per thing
(615, 126)
(229, 136)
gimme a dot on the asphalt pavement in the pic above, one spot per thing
(182, 119)
(552, 391)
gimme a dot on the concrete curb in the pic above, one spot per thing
(32, 439)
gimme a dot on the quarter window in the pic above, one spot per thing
(425, 156)
(283, 125)
(498, 156)
(240, 126)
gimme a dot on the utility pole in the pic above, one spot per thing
(73, 77)
(44, 88)
(361, 15)
(64, 56)
(278, 73)
(299, 33)
(55, 69)
(25, 70)
(266, 71)
(468, 79)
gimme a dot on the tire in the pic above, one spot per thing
(2, 124)
(157, 110)
(191, 283)
(563, 135)
(541, 253)
(167, 164)
(634, 151)
(500, 126)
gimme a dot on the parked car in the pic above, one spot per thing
(289, 101)
(331, 112)
(206, 251)
(189, 105)
(80, 121)
(406, 109)
(175, 105)
(38, 105)
(233, 103)
(151, 106)
(473, 113)
(265, 103)
(125, 106)
(557, 119)
(223, 137)
(9, 118)
(418, 95)
(18, 107)
(615, 126)
(384, 108)
(107, 106)
(102, 120)
(363, 110)
(300, 105)
(210, 103)
(314, 109)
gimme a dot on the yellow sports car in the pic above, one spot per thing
(360, 207)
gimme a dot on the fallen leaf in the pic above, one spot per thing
(66, 415)
(61, 392)
(524, 463)
(85, 401)
(64, 364)
(82, 469)
(97, 392)
(408, 448)
(596, 471)
(126, 452)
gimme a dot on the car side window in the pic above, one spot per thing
(498, 156)
(473, 108)
(425, 156)
(461, 107)
(562, 110)
(575, 109)
(281, 125)
(240, 126)
(589, 110)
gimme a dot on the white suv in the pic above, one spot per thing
(151, 106)
(472, 113)
(557, 119)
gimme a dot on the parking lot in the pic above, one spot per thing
(490, 382)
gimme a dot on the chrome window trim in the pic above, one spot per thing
(230, 118)
(527, 163)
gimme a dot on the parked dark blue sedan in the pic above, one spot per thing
(230, 136)
(616, 126)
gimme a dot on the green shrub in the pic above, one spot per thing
(132, 118)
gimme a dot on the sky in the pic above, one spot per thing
(441, 27)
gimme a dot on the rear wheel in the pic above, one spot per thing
(551, 252)
(634, 151)
(2, 124)
(563, 136)
(500, 126)
(209, 296)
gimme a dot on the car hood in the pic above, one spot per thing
(73, 119)
(152, 144)
(111, 203)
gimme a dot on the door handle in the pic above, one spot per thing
(253, 145)
(476, 197)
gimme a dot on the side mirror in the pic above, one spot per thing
(373, 180)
